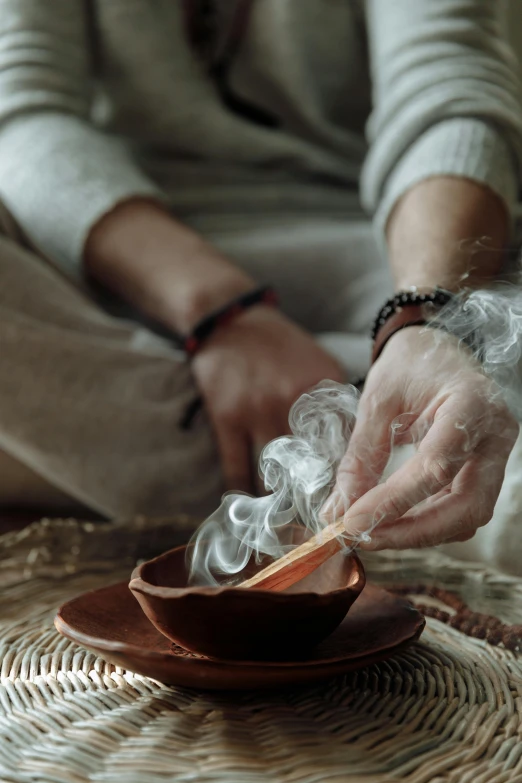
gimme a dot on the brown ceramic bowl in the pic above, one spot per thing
(246, 624)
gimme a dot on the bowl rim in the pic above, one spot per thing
(138, 584)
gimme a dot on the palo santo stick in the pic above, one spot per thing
(300, 562)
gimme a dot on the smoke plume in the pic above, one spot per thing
(297, 470)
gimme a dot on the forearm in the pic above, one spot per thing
(159, 265)
(448, 232)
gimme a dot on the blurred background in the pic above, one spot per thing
(515, 27)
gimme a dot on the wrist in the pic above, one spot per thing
(161, 266)
(407, 308)
(215, 289)
(448, 232)
(219, 319)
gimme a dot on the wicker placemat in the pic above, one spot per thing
(448, 709)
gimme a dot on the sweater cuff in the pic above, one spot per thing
(466, 148)
(59, 177)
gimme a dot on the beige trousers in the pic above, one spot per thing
(91, 404)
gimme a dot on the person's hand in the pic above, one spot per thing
(424, 389)
(250, 373)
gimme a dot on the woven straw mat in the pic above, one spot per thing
(447, 709)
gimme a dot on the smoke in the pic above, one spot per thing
(298, 471)
(489, 323)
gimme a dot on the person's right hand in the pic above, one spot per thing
(250, 373)
(440, 400)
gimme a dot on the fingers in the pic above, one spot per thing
(235, 452)
(367, 455)
(440, 456)
(240, 445)
(451, 516)
(240, 452)
(429, 528)
(270, 430)
(271, 427)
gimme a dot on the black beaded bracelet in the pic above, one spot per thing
(192, 343)
(438, 297)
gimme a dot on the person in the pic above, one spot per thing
(161, 161)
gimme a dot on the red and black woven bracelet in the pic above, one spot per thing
(192, 343)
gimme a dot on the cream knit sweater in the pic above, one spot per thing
(101, 100)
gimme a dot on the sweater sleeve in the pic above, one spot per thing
(446, 99)
(59, 174)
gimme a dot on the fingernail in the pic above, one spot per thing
(359, 525)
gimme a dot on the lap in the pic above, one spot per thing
(100, 395)
(93, 405)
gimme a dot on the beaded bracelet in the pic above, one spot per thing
(406, 308)
(193, 342)
(438, 297)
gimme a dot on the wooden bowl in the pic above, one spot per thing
(246, 624)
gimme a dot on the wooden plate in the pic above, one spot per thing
(111, 623)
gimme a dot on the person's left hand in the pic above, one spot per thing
(424, 389)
